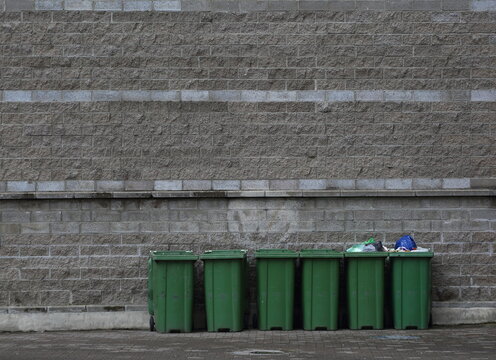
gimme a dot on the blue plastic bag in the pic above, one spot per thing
(406, 243)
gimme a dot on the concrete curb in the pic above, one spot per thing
(70, 319)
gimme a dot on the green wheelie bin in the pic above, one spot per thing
(225, 289)
(320, 288)
(411, 289)
(170, 290)
(365, 289)
(276, 284)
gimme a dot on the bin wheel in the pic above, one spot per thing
(152, 323)
(254, 321)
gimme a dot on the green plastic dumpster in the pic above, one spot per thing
(276, 283)
(320, 289)
(411, 289)
(365, 289)
(225, 289)
(170, 290)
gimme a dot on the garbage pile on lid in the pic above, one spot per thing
(403, 244)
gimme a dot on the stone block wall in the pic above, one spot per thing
(127, 126)
(94, 252)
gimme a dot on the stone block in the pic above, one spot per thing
(370, 184)
(20, 186)
(15, 216)
(95, 228)
(281, 96)
(312, 184)
(483, 95)
(398, 184)
(80, 185)
(35, 228)
(430, 95)
(459, 95)
(342, 184)
(225, 95)
(105, 95)
(109, 185)
(50, 186)
(398, 4)
(340, 95)
(18, 5)
(49, 5)
(483, 183)
(167, 5)
(165, 95)
(137, 5)
(253, 96)
(426, 4)
(283, 185)
(197, 185)
(456, 183)
(423, 183)
(108, 5)
(484, 5)
(17, 96)
(311, 95)
(124, 227)
(64, 228)
(76, 95)
(279, 5)
(78, 4)
(313, 5)
(194, 95)
(226, 184)
(47, 95)
(456, 4)
(135, 95)
(138, 185)
(188, 227)
(398, 95)
(341, 5)
(369, 95)
(168, 185)
(195, 5)
(253, 5)
(255, 184)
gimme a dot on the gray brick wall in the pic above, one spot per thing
(116, 98)
(83, 252)
(236, 140)
(264, 95)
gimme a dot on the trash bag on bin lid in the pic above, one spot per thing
(367, 246)
(405, 243)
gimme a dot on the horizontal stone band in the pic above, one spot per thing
(246, 5)
(249, 185)
(246, 194)
(249, 95)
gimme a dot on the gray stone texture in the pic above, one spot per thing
(321, 96)
(325, 94)
(106, 252)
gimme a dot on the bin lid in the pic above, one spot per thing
(173, 255)
(427, 254)
(320, 253)
(224, 254)
(365, 254)
(275, 254)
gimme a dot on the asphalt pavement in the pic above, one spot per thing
(465, 342)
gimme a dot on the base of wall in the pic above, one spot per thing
(463, 313)
(113, 318)
(74, 321)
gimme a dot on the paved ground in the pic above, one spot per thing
(438, 343)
